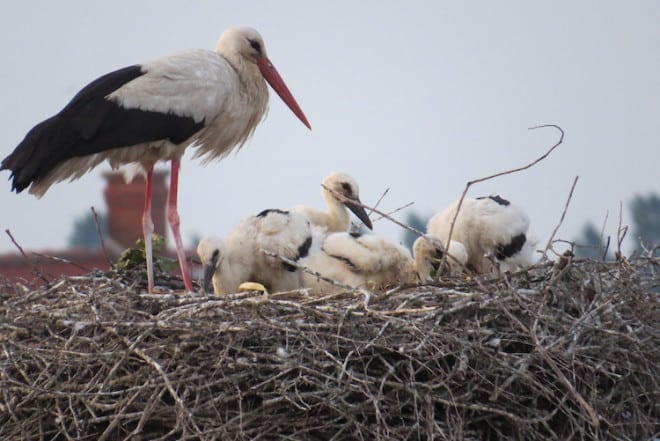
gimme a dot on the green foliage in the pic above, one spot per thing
(132, 258)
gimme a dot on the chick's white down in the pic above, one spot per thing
(491, 229)
(283, 233)
(367, 260)
(337, 217)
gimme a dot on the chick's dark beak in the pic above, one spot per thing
(358, 210)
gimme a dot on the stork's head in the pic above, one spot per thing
(427, 258)
(244, 48)
(243, 41)
(344, 189)
(429, 253)
(211, 251)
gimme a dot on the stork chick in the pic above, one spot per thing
(286, 234)
(337, 218)
(225, 272)
(490, 228)
(428, 256)
(356, 260)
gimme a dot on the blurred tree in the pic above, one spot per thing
(645, 230)
(84, 234)
(416, 221)
(589, 244)
(646, 220)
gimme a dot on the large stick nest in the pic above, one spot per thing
(553, 353)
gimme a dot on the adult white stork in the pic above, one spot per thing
(490, 228)
(241, 258)
(339, 191)
(145, 113)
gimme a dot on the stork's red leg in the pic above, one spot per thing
(173, 219)
(148, 229)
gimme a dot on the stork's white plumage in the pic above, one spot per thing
(224, 271)
(286, 234)
(146, 113)
(428, 256)
(337, 218)
(356, 260)
(489, 228)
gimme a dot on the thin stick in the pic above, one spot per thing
(620, 232)
(63, 260)
(561, 219)
(343, 198)
(436, 241)
(359, 290)
(432, 239)
(515, 170)
(542, 351)
(389, 213)
(604, 248)
(32, 265)
(153, 363)
(382, 196)
(309, 271)
(100, 235)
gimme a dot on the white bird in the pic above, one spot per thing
(356, 260)
(286, 234)
(428, 256)
(489, 228)
(226, 274)
(150, 112)
(337, 218)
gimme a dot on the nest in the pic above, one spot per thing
(552, 353)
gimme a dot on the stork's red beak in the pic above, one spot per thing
(277, 83)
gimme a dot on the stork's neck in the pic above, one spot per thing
(252, 82)
(338, 217)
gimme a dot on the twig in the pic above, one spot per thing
(380, 199)
(389, 213)
(620, 232)
(561, 219)
(606, 248)
(432, 239)
(63, 260)
(356, 290)
(153, 363)
(33, 267)
(343, 198)
(593, 416)
(100, 235)
(515, 170)
(309, 271)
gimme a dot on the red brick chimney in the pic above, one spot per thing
(125, 203)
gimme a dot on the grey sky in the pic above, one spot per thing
(418, 97)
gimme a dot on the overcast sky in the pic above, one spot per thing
(417, 97)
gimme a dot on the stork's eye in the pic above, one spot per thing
(255, 45)
(216, 253)
(348, 191)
